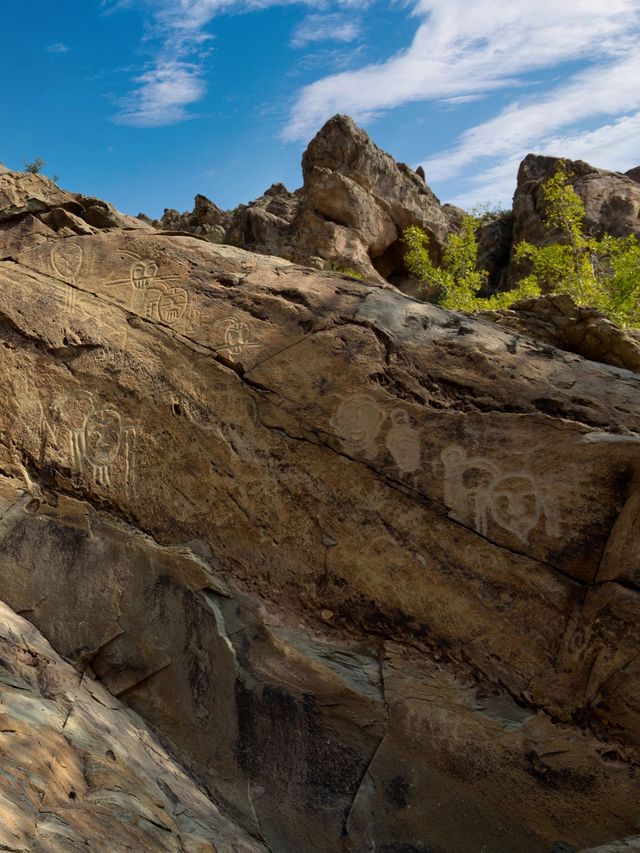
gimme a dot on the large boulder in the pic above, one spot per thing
(369, 568)
(611, 200)
(350, 212)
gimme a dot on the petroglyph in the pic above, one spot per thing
(158, 297)
(99, 440)
(403, 443)
(66, 260)
(170, 304)
(143, 273)
(479, 491)
(358, 422)
(237, 336)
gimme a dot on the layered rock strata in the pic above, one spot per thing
(79, 771)
(369, 568)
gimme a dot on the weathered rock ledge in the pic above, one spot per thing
(370, 569)
(79, 771)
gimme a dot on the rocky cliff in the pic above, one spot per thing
(356, 201)
(350, 212)
(368, 569)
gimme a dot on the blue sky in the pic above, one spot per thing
(147, 102)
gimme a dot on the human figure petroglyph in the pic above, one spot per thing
(403, 443)
(480, 490)
(66, 260)
(237, 336)
(99, 440)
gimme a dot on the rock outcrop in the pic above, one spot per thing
(34, 210)
(349, 214)
(370, 569)
(79, 771)
(611, 200)
(555, 319)
(634, 174)
(206, 220)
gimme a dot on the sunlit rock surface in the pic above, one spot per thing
(369, 568)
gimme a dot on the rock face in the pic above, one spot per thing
(349, 214)
(611, 200)
(370, 569)
(79, 771)
(555, 319)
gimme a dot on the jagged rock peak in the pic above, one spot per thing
(634, 174)
(341, 146)
(351, 210)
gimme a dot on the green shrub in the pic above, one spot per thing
(602, 273)
(36, 167)
(457, 280)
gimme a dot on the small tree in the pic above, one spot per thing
(602, 273)
(36, 167)
(457, 280)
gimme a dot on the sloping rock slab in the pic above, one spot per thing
(78, 771)
(370, 567)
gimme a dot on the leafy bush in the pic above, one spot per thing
(36, 167)
(457, 280)
(602, 273)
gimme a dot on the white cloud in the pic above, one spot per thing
(175, 80)
(317, 28)
(57, 47)
(613, 146)
(464, 48)
(163, 95)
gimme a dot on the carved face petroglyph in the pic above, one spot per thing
(172, 305)
(102, 437)
(66, 259)
(236, 335)
(142, 274)
(515, 504)
(357, 424)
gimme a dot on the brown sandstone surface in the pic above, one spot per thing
(79, 771)
(350, 212)
(369, 568)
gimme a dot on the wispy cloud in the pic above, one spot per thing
(603, 90)
(466, 50)
(57, 47)
(162, 95)
(175, 78)
(331, 27)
